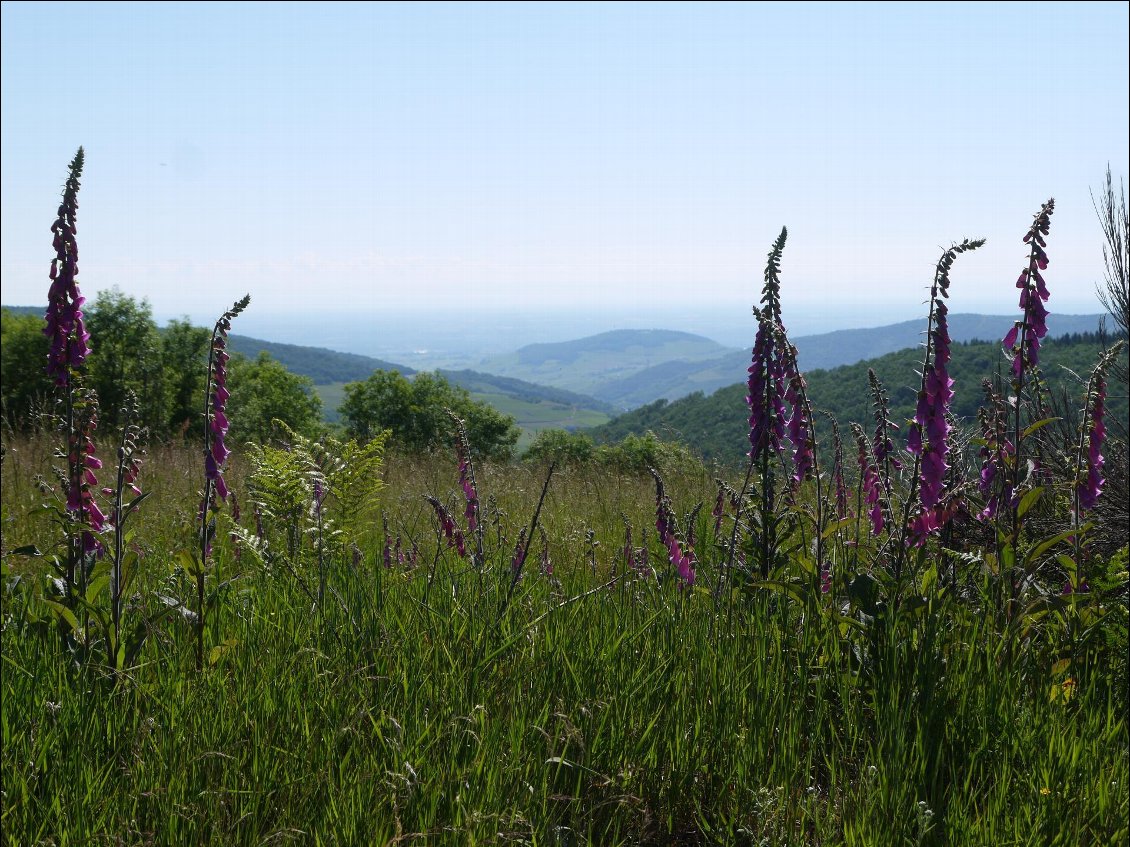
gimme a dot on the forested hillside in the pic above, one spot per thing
(321, 365)
(716, 425)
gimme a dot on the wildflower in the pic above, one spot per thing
(883, 446)
(761, 435)
(825, 577)
(719, 507)
(546, 563)
(767, 370)
(1023, 340)
(930, 421)
(627, 550)
(319, 495)
(839, 485)
(451, 532)
(82, 483)
(521, 549)
(682, 560)
(216, 452)
(996, 451)
(466, 475)
(929, 434)
(1089, 482)
(799, 425)
(65, 326)
(386, 550)
(872, 494)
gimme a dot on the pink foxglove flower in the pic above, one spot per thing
(1023, 340)
(928, 438)
(65, 327)
(216, 452)
(1089, 480)
(80, 491)
(869, 477)
(451, 532)
(681, 558)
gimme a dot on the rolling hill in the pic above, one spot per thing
(587, 364)
(716, 425)
(631, 368)
(321, 365)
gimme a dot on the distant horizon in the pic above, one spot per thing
(445, 335)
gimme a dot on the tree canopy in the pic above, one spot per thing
(416, 412)
(263, 391)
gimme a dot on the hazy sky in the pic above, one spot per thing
(389, 157)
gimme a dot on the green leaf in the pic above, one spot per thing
(217, 652)
(27, 550)
(1037, 426)
(129, 570)
(1008, 557)
(836, 526)
(1045, 545)
(189, 562)
(1067, 563)
(928, 579)
(793, 589)
(96, 586)
(64, 614)
(1029, 500)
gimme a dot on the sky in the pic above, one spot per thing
(595, 159)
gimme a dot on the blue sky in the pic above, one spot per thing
(613, 157)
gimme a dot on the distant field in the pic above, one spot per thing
(532, 416)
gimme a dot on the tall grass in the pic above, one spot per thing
(624, 715)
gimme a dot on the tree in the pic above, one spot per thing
(125, 356)
(184, 355)
(415, 411)
(25, 388)
(558, 445)
(262, 391)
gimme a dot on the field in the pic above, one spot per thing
(599, 705)
(911, 634)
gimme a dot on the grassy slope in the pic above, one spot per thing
(412, 708)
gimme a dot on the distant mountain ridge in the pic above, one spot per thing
(669, 378)
(848, 346)
(584, 365)
(626, 341)
(321, 365)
